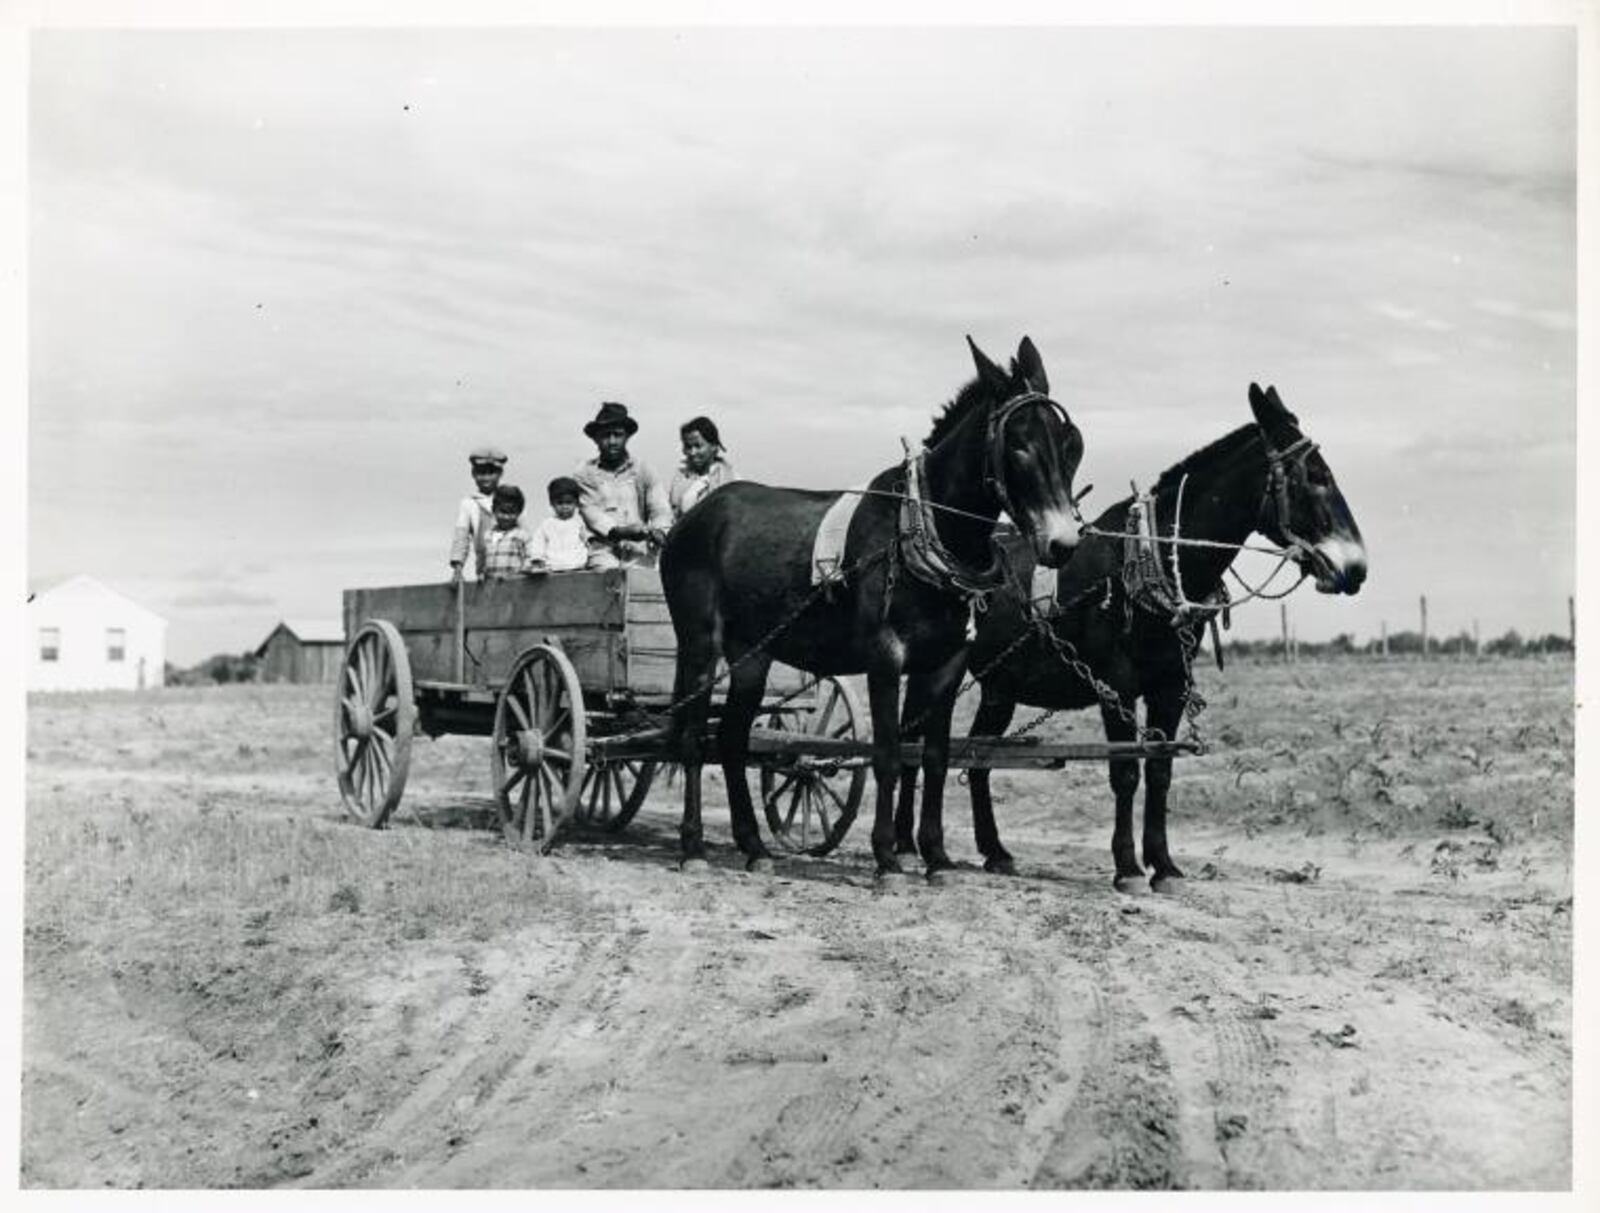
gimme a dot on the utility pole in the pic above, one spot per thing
(1477, 640)
(1424, 627)
(1383, 637)
(1283, 619)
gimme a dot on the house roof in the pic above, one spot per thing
(84, 587)
(306, 631)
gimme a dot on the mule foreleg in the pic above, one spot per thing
(1124, 783)
(992, 719)
(1164, 711)
(747, 681)
(940, 689)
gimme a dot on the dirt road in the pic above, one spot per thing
(1319, 1009)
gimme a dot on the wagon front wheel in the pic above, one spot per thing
(811, 801)
(374, 717)
(539, 738)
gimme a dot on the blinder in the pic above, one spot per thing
(994, 474)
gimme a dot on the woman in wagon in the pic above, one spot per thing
(475, 514)
(705, 465)
(622, 502)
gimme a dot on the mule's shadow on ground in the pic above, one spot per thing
(650, 840)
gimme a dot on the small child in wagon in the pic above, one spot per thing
(505, 553)
(560, 543)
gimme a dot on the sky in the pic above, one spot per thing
(280, 281)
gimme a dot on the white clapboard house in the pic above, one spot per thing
(85, 636)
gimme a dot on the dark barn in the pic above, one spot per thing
(302, 650)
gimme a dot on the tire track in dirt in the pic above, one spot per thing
(416, 1127)
(519, 1132)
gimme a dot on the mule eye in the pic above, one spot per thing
(1318, 476)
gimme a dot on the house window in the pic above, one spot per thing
(49, 644)
(116, 644)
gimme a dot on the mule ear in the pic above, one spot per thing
(992, 376)
(1031, 367)
(1265, 407)
(1276, 421)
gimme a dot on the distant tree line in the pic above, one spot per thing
(218, 668)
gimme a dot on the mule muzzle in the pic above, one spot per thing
(1053, 547)
(1338, 565)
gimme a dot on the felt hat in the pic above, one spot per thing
(611, 413)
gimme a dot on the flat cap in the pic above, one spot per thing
(487, 454)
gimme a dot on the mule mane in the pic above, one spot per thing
(1227, 447)
(968, 400)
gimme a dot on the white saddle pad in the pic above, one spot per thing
(827, 550)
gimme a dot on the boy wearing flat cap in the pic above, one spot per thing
(622, 502)
(475, 516)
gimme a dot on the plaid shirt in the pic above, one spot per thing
(505, 553)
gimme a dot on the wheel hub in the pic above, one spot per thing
(530, 747)
(361, 720)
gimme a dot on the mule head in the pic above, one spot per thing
(1304, 510)
(1034, 452)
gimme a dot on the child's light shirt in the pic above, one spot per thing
(505, 553)
(560, 544)
(474, 519)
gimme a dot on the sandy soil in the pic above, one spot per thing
(227, 984)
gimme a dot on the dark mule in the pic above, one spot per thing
(1123, 622)
(737, 576)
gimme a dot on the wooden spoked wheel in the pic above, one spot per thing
(538, 759)
(811, 802)
(613, 792)
(374, 717)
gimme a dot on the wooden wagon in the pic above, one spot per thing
(570, 675)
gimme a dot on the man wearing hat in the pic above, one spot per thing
(475, 517)
(622, 502)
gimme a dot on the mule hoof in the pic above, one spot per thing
(1169, 885)
(694, 865)
(1133, 886)
(1000, 867)
(761, 865)
(941, 876)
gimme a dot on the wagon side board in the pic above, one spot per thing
(613, 625)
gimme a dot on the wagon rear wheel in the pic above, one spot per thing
(810, 803)
(539, 738)
(374, 717)
(613, 792)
